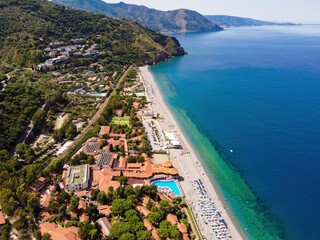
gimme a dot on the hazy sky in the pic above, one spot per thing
(282, 10)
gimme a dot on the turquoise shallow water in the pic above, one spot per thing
(255, 91)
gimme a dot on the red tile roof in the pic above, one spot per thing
(143, 210)
(104, 209)
(146, 199)
(82, 204)
(83, 217)
(135, 105)
(182, 228)
(172, 218)
(104, 130)
(147, 224)
(59, 233)
(155, 235)
(185, 236)
(2, 220)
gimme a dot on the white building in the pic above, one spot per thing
(77, 177)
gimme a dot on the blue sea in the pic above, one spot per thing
(249, 101)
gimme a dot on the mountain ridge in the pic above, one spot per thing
(180, 20)
(234, 21)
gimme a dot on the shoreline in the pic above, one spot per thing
(187, 161)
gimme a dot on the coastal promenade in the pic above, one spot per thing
(207, 207)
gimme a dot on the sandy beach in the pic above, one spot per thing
(187, 162)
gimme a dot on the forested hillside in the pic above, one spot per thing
(180, 20)
(26, 26)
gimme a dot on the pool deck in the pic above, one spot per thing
(181, 193)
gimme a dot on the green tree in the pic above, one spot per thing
(94, 193)
(128, 190)
(71, 131)
(165, 206)
(120, 206)
(143, 235)
(127, 236)
(74, 202)
(163, 233)
(34, 205)
(53, 206)
(174, 232)
(122, 180)
(92, 212)
(63, 197)
(83, 231)
(154, 218)
(118, 229)
(38, 119)
(149, 205)
(93, 234)
(164, 229)
(46, 236)
(37, 235)
(102, 198)
(7, 201)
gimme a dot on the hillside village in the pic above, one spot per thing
(107, 184)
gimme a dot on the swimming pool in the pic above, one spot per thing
(97, 94)
(170, 184)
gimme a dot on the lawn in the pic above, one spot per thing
(121, 120)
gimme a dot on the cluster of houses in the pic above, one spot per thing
(60, 51)
(111, 153)
(110, 165)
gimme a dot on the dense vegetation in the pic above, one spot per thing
(23, 95)
(26, 26)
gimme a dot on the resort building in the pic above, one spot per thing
(102, 179)
(154, 235)
(105, 130)
(105, 226)
(172, 139)
(105, 210)
(92, 146)
(147, 224)
(173, 219)
(143, 210)
(59, 233)
(105, 159)
(77, 177)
